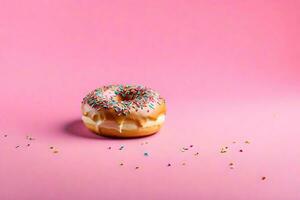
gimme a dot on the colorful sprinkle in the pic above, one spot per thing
(146, 154)
(223, 151)
(29, 137)
(132, 98)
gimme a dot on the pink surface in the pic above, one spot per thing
(228, 69)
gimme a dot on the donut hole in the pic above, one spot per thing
(125, 97)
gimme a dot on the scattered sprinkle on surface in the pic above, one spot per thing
(29, 137)
(146, 154)
(223, 149)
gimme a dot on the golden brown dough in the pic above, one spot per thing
(123, 111)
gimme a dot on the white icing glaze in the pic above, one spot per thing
(109, 124)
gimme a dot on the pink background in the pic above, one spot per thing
(228, 69)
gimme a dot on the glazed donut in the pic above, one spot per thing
(123, 111)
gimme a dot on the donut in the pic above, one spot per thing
(123, 111)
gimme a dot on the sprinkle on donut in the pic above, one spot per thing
(123, 99)
(123, 111)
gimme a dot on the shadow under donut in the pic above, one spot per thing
(77, 128)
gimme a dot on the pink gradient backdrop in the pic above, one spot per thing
(228, 69)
